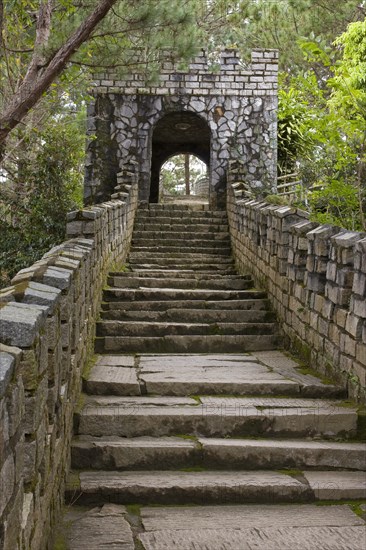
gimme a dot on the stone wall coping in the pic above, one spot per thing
(323, 232)
(303, 227)
(347, 239)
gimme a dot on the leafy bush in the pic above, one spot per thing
(49, 184)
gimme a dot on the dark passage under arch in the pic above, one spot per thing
(177, 133)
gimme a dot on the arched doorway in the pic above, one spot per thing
(177, 133)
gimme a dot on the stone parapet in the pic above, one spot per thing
(47, 328)
(316, 279)
(228, 75)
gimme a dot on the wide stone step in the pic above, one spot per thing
(173, 453)
(188, 248)
(191, 315)
(173, 258)
(191, 227)
(134, 281)
(183, 239)
(178, 274)
(249, 304)
(182, 215)
(150, 294)
(181, 375)
(171, 487)
(226, 268)
(187, 343)
(198, 235)
(151, 328)
(216, 417)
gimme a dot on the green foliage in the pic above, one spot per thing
(48, 185)
(293, 121)
(322, 128)
(337, 204)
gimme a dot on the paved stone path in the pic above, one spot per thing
(196, 433)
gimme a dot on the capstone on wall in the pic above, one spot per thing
(237, 105)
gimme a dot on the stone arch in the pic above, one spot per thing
(177, 133)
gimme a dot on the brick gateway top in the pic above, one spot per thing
(217, 116)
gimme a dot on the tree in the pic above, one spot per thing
(280, 23)
(42, 39)
(325, 128)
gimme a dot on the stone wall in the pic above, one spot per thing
(316, 279)
(237, 105)
(47, 326)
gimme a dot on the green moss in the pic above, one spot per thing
(309, 371)
(291, 472)
(89, 365)
(186, 436)
(60, 542)
(80, 404)
(134, 509)
(197, 398)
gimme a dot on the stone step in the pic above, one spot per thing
(150, 294)
(171, 487)
(183, 239)
(187, 343)
(153, 328)
(216, 417)
(226, 268)
(173, 453)
(179, 274)
(174, 236)
(181, 375)
(211, 228)
(174, 258)
(188, 248)
(194, 204)
(249, 527)
(191, 315)
(132, 280)
(218, 216)
(249, 304)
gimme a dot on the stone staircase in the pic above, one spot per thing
(195, 431)
(182, 293)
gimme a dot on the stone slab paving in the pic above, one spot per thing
(116, 380)
(99, 529)
(245, 516)
(250, 527)
(337, 485)
(116, 360)
(299, 538)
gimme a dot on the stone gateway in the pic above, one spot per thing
(218, 116)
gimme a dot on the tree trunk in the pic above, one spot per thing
(35, 84)
(187, 174)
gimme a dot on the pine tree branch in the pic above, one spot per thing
(37, 82)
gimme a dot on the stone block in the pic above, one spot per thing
(20, 323)
(7, 480)
(7, 363)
